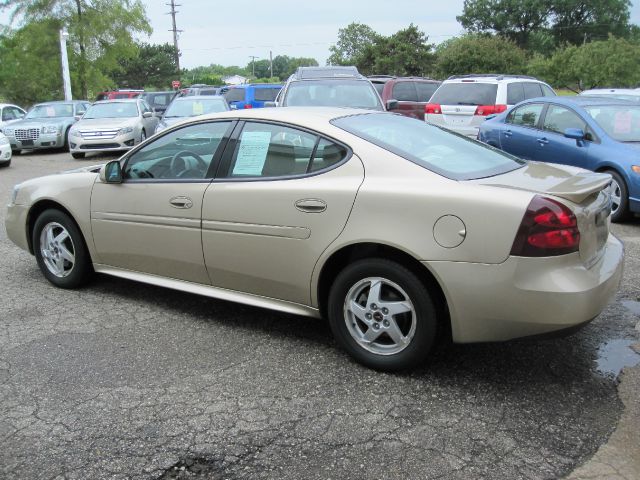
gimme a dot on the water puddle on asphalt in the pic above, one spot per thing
(614, 355)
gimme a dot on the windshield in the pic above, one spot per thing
(621, 122)
(333, 93)
(112, 110)
(448, 154)
(465, 94)
(51, 110)
(190, 107)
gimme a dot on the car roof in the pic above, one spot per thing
(198, 97)
(118, 100)
(606, 91)
(297, 115)
(491, 78)
(312, 73)
(386, 78)
(59, 102)
(582, 101)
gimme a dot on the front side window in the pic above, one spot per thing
(112, 110)
(526, 115)
(405, 92)
(268, 150)
(436, 149)
(558, 119)
(186, 153)
(547, 91)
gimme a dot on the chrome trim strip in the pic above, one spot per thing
(298, 233)
(146, 219)
(210, 291)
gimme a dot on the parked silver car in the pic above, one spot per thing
(112, 125)
(46, 125)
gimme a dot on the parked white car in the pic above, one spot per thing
(10, 114)
(631, 94)
(112, 125)
(463, 102)
(5, 151)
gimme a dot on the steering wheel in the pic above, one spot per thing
(179, 166)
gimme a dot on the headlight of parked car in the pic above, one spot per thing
(74, 133)
(8, 131)
(4, 140)
(50, 129)
(124, 130)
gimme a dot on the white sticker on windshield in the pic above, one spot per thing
(252, 153)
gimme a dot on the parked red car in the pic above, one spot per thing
(118, 94)
(412, 93)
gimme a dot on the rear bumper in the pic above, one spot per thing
(527, 296)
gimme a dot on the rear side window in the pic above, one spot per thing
(547, 91)
(405, 92)
(235, 95)
(515, 93)
(379, 87)
(532, 90)
(526, 115)
(327, 154)
(426, 90)
(466, 94)
(436, 149)
(558, 119)
(266, 94)
(208, 91)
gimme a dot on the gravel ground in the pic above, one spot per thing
(125, 380)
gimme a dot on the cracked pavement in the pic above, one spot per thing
(125, 380)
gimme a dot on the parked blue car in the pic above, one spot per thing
(250, 95)
(597, 133)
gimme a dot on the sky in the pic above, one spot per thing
(229, 33)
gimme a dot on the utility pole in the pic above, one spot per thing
(175, 31)
(270, 64)
(253, 65)
(66, 79)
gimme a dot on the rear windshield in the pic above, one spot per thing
(194, 106)
(234, 95)
(333, 93)
(466, 94)
(448, 154)
(266, 94)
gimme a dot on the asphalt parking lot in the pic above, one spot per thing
(125, 380)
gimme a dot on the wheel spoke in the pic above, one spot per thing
(374, 292)
(396, 308)
(371, 335)
(61, 237)
(359, 311)
(59, 262)
(66, 254)
(49, 235)
(394, 332)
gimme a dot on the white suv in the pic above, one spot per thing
(463, 102)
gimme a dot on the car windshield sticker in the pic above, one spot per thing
(51, 112)
(252, 153)
(622, 122)
(198, 108)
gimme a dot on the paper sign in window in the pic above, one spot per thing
(51, 112)
(622, 122)
(252, 153)
(198, 108)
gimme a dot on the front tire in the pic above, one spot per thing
(619, 197)
(382, 315)
(78, 155)
(60, 250)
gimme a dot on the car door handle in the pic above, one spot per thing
(311, 205)
(181, 202)
(507, 133)
(543, 141)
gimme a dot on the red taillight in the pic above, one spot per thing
(433, 108)
(548, 228)
(248, 105)
(485, 110)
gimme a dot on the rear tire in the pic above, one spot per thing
(60, 250)
(78, 155)
(619, 197)
(382, 315)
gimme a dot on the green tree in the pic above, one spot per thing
(352, 41)
(514, 19)
(153, 66)
(578, 21)
(479, 53)
(30, 68)
(100, 32)
(406, 52)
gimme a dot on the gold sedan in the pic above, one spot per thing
(397, 231)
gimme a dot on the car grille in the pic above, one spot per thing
(99, 134)
(98, 146)
(27, 133)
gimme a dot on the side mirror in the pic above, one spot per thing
(78, 117)
(111, 172)
(147, 114)
(575, 133)
(270, 104)
(392, 104)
